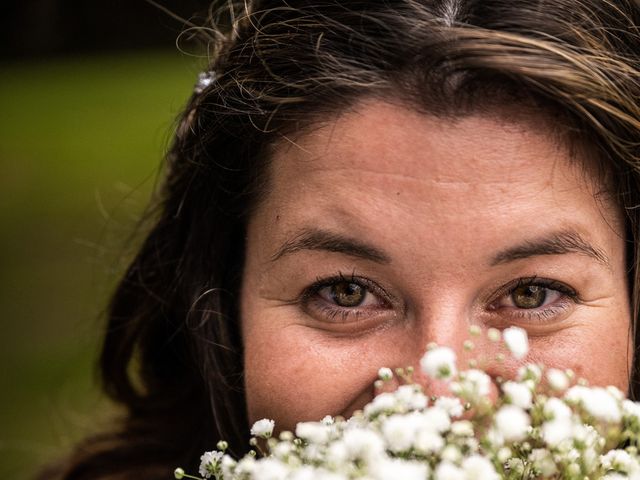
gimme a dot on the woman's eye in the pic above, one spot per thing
(346, 300)
(532, 296)
(346, 294)
(536, 299)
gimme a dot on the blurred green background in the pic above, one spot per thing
(81, 142)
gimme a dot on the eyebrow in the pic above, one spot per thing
(316, 239)
(555, 243)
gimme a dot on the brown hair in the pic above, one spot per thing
(172, 354)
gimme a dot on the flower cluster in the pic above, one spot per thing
(543, 424)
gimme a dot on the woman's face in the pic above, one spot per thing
(387, 229)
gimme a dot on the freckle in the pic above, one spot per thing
(397, 193)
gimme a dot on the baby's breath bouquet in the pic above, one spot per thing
(545, 424)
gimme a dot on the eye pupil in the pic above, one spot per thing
(529, 296)
(347, 294)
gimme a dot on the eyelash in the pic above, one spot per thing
(313, 303)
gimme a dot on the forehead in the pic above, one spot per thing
(385, 169)
(377, 137)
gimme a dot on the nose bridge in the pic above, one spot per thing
(445, 322)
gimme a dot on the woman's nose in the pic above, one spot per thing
(440, 371)
(470, 347)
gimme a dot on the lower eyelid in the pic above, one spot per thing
(322, 311)
(321, 303)
(542, 314)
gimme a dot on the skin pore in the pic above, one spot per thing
(387, 229)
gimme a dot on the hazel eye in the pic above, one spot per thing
(353, 298)
(348, 305)
(535, 297)
(529, 296)
(347, 294)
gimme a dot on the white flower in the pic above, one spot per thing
(451, 405)
(527, 432)
(504, 454)
(559, 427)
(451, 453)
(462, 428)
(246, 466)
(385, 402)
(312, 452)
(518, 394)
(227, 465)
(555, 432)
(435, 419)
(270, 469)
(410, 397)
(493, 334)
(516, 467)
(307, 472)
(512, 423)
(615, 392)
(556, 409)
(263, 428)
(282, 449)
(597, 401)
(620, 461)
(543, 461)
(494, 438)
(591, 457)
(439, 363)
(209, 463)
(474, 385)
(393, 469)
(337, 454)
(531, 371)
(361, 443)
(449, 471)
(517, 342)
(385, 374)
(314, 432)
(399, 432)
(479, 467)
(428, 442)
(557, 379)
(322, 474)
(631, 411)
(328, 420)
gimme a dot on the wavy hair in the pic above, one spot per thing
(172, 353)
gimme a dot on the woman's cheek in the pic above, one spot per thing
(596, 349)
(301, 373)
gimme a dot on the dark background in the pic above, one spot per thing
(89, 94)
(48, 28)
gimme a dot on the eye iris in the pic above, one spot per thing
(347, 294)
(529, 296)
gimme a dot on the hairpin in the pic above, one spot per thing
(204, 80)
